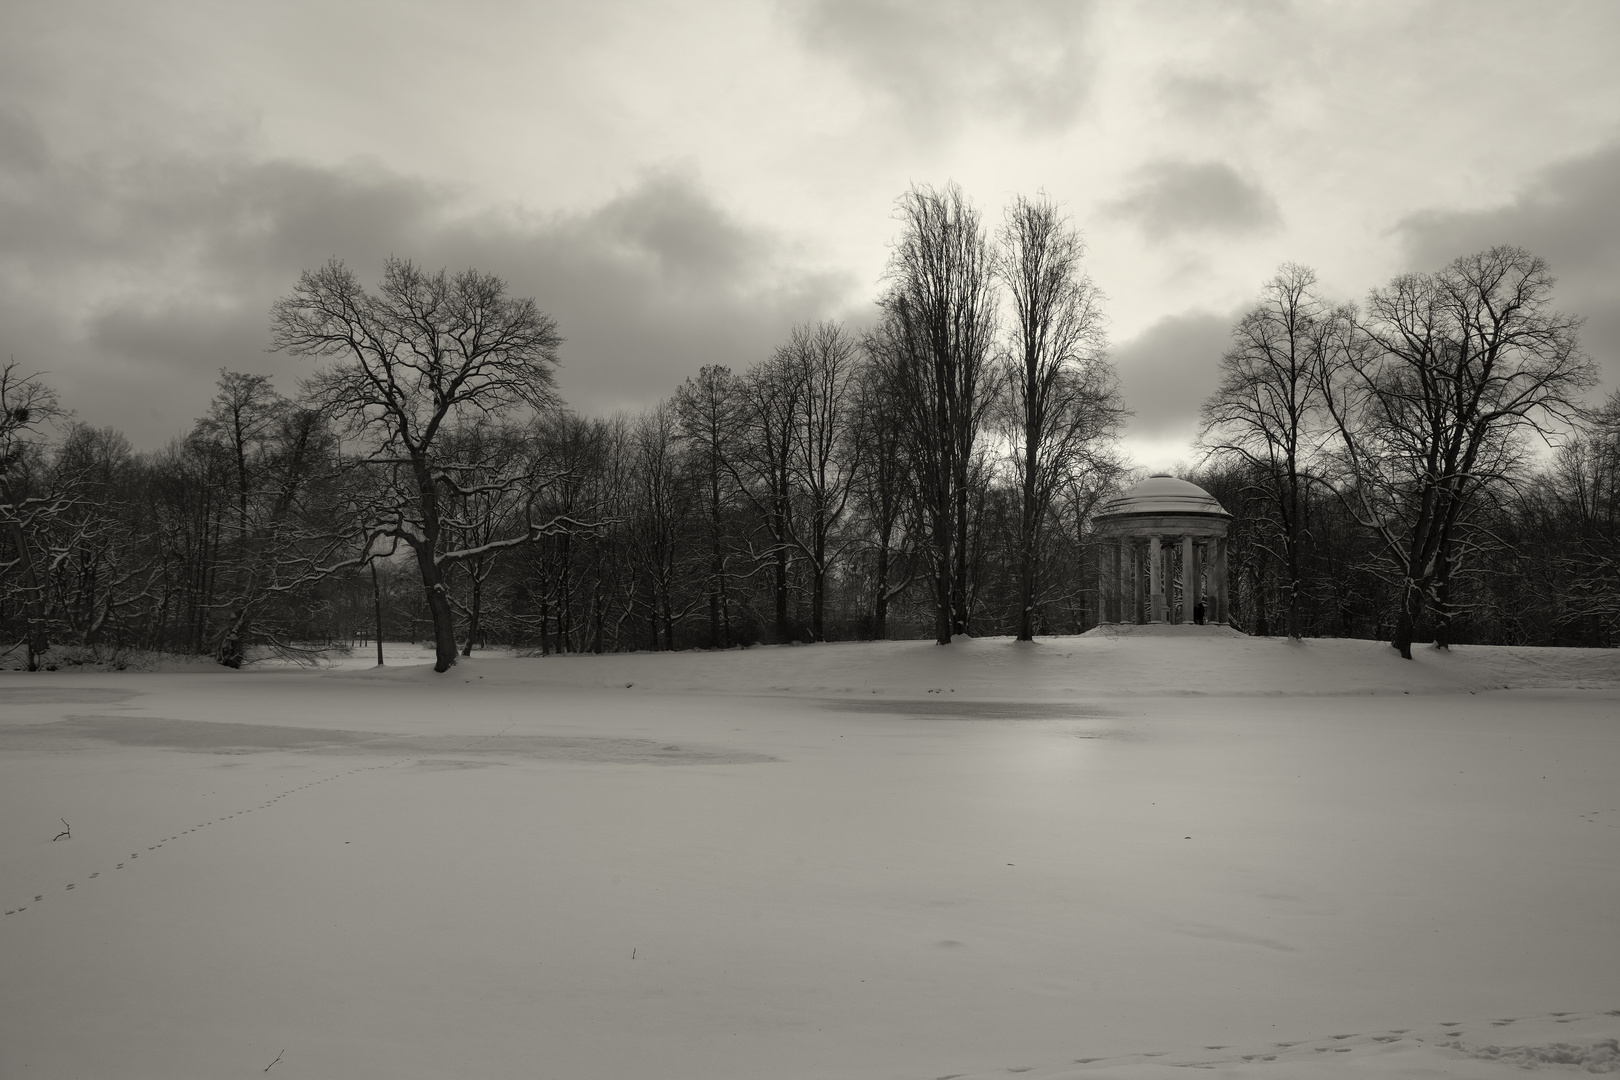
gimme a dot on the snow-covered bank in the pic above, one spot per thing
(1154, 850)
(1107, 662)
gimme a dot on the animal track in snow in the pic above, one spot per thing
(1599, 1054)
(38, 898)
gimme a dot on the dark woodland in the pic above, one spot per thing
(1426, 465)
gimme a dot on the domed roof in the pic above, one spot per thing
(1162, 494)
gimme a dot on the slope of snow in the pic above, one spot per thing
(1108, 662)
(1116, 855)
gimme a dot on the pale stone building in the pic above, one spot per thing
(1162, 547)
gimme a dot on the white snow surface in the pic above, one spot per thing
(1124, 854)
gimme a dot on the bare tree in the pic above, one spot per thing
(934, 342)
(881, 490)
(1061, 408)
(1433, 392)
(662, 509)
(483, 506)
(98, 573)
(287, 523)
(26, 404)
(708, 412)
(822, 359)
(771, 403)
(420, 351)
(1267, 409)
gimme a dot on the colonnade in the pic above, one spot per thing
(1158, 578)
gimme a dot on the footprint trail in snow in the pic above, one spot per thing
(39, 897)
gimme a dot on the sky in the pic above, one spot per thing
(681, 183)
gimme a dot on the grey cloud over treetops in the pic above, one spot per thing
(1171, 198)
(1569, 215)
(1212, 98)
(133, 285)
(1168, 370)
(938, 61)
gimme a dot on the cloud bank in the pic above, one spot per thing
(937, 61)
(1567, 214)
(1168, 370)
(132, 285)
(1172, 198)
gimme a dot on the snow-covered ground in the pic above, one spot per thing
(1110, 856)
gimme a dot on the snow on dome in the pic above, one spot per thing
(1163, 494)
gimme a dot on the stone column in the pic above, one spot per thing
(1104, 554)
(1196, 595)
(1189, 570)
(1116, 591)
(1156, 612)
(1220, 580)
(1138, 569)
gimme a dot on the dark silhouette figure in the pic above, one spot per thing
(1198, 613)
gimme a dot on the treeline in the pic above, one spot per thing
(934, 475)
(1418, 467)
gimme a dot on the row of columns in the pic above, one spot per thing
(1138, 578)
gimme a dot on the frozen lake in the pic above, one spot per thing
(882, 860)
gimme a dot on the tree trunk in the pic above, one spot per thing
(376, 603)
(1291, 539)
(1402, 641)
(231, 648)
(784, 632)
(1442, 599)
(1026, 584)
(1262, 623)
(1027, 517)
(444, 618)
(959, 541)
(477, 607)
(818, 603)
(880, 607)
(818, 586)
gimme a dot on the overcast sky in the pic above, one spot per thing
(680, 183)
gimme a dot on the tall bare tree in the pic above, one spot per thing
(708, 410)
(1268, 408)
(420, 351)
(823, 359)
(881, 491)
(771, 403)
(662, 511)
(934, 340)
(1061, 408)
(1433, 392)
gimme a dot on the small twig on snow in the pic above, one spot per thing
(67, 832)
(278, 1058)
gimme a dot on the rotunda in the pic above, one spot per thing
(1162, 553)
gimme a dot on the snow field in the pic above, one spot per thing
(529, 868)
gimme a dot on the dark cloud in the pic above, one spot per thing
(1211, 98)
(22, 144)
(133, 285)
(1175, 197)
(1568, 215)
(941, 60)
(1168, 370)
